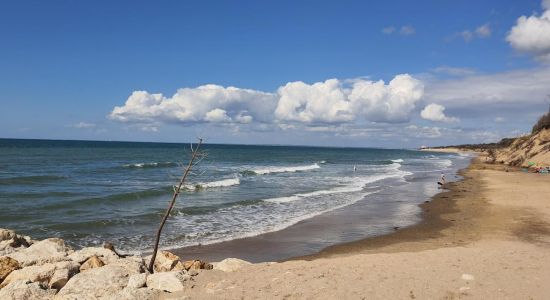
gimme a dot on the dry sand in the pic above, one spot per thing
(486, 238)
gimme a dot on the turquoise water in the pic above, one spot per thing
(91, 192)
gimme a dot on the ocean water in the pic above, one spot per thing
(90, 192)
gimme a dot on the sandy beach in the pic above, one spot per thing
(487, 237)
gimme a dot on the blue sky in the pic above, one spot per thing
(66, 65)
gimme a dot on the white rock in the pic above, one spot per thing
(95, 283)
(137, 281)
(63, 272)
(106, 255)
(231, 264)
(46, 251)
(166, 261)
(168, 281)
(19, 290)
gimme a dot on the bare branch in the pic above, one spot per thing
(177, 190)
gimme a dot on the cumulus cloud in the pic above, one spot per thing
(435, 112)
(206, 103)
(531, 35)
(331, 101)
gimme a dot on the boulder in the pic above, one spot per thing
(25, 290)
(41, 274)
(137, 281)
(92, 262)
(166, 262)
(63, 272)
(48, 274)
(168, 281)
(95, 283)
(7, 265)
(231, 264)
(132, 264)
(107, 256)
(46, 251)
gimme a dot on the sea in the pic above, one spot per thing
(90, 192)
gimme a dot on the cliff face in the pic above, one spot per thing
(532, 148)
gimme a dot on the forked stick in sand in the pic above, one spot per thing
(195, 154)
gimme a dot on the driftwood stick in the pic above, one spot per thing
(177, 190)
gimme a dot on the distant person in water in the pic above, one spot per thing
(441, 181)
(354, 168)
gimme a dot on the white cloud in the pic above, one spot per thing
(481, 32)
(407, 30)
(206, 103)
(435, 112)
(82, 125)
(513, 89)
(388, 30)
(532, 34)
(452, 71)
(331, 101)
(404, 30)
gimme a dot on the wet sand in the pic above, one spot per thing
(486, 238)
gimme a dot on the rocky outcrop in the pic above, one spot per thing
(168, 281)
(231, 264)
(96, 283)
(11, 242)
(60, 273)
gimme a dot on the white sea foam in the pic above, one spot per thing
(214, 184)
(285, 169)
(399, 160)
(150, 165)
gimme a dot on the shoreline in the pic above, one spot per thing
(479, 239)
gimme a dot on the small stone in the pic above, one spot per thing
(467, 277)
(91, 263)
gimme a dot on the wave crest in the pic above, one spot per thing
(286, 169)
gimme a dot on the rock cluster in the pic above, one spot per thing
(49, 269)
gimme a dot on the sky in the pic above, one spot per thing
(393, 74)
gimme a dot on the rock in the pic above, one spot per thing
(46, 251)
(168, 281)
(106, 255)
(230, 264)
(132, 264)
(48, 274)
(137, 281)
(132, 294)
(92, 262)
(7, 265)
(25, 290)
(6, 234)
(95, 283)
(63, 272)
(166, 261)
(41, 274)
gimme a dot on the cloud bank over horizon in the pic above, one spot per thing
(329, 102)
